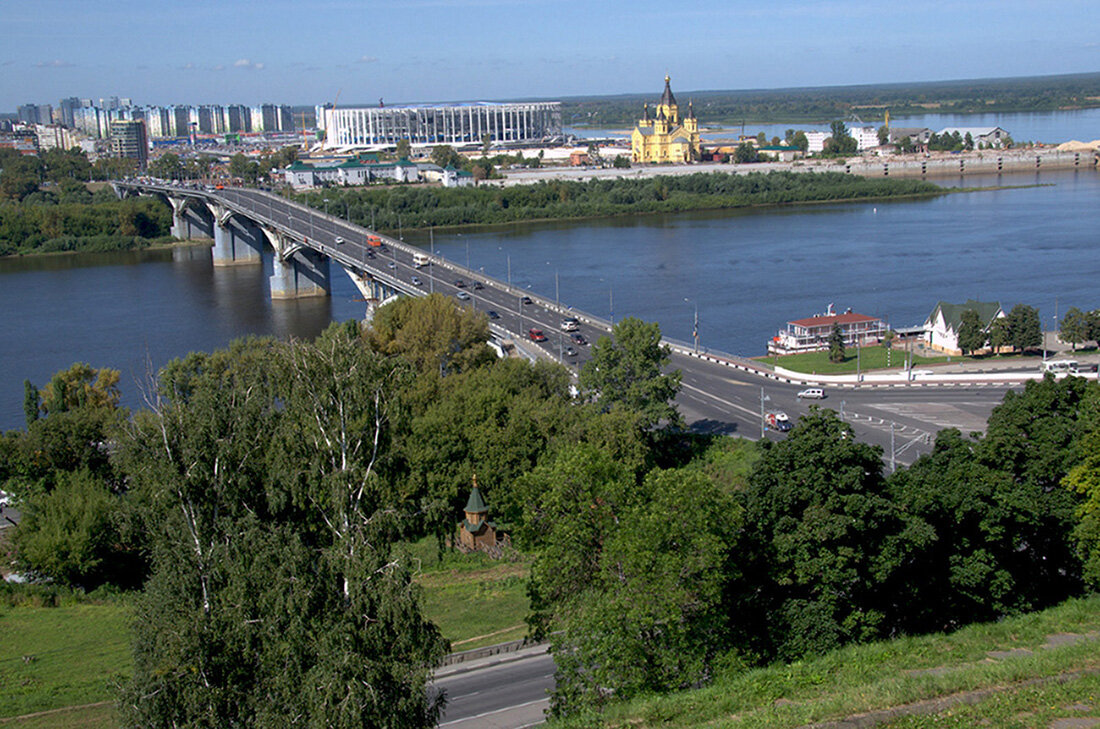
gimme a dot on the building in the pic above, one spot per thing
(476, 532)
(983, 136)
(866, 137)
(426, 125)
(665, 138)
(917, 136)
(35, 114)
(812, 334)
(304, 176)
(457, 178)
(782, 153)
(128, 139)
(941, 328)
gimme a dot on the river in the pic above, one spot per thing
(746, 272)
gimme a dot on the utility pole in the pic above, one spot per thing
(893, 463)
(763, 397)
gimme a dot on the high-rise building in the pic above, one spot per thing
(129, 139)
(240, 118)
(35, 113)
(181, 121)
(67, 107)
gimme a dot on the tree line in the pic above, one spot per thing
(421, 207)
(262, 499)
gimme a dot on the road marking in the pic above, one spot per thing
(712, 396)
(490, 713)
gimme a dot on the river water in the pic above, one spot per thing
(746, 272)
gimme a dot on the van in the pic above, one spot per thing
(812, 393)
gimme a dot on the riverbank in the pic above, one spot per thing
(158, 244)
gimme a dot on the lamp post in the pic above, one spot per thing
(695, 324)
(763, 398)
(326, 206)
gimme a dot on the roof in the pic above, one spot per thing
(475, 504)
(667, 97)
(952, 313)
(828, 321)
(972, 131)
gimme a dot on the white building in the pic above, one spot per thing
(304, 176)
(987, 136)
(456, 124)
(941, 328)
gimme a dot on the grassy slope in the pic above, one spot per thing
(890, 674)
(870, 358)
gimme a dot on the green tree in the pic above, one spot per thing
(1084, 479)
(432, 333)
(827, 544)
(1000, 333)
(275, 592)
(627, 370)
(403, 149)
(745, 153)
(168, 166)
(836, 344)
(243, 168)
(621, 162)
(1025, 331)
(799, 140)
(972, 333)
(31, 402)
(486, 144)
(883, 135)
(1075, 327)
(445, 156)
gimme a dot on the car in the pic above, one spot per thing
(370, 253)
(570, 352)
(477, 285)
(416, 281)
(526, 300)
(812, 393)
(492, 314)
(569, 324)
(392, 264)
(463, 295)
(339, 241)
(578, 339)
(536, 335)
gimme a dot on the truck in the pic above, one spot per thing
(420, 260)
(777, 420)
(374, 241)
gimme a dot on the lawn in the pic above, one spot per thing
(868, 358)
(1038, 666)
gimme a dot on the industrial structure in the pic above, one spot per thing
(455, 124)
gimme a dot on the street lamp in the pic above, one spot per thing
(763, 398)
(695, 324)
(326, 206)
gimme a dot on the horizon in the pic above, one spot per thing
(429, 51)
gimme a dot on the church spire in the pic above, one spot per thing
(667, 99)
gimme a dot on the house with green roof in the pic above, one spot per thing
(475, 531)
(941, 328)
(352, 171)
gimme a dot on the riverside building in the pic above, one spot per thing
(665, 138)
(454, 124)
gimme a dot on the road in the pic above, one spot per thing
(714, 398)
(505, 692)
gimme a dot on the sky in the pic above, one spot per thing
(402, 51)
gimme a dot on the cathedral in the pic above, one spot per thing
(665, 138)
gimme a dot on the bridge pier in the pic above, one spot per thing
(297, 271)
(237, 240)
(180, 229)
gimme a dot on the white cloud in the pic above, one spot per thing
(245, 63)
(56, 63)
(367, 59)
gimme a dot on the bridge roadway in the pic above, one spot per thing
(715, 397)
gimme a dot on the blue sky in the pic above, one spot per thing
(196, 51)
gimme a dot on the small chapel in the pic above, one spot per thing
(476, 532)
(665, 137)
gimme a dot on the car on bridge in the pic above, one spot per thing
(477, 286)
(569, 324)
(463, 295)
(460, 284)
(526, 300)
(339, 241)
(492, 314)
(416, 281)
(578, 339)
(570, 352)
(536, 335)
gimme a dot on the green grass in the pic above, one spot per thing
(52, 657)
(475, 601)
(870, 358)
(881, 675)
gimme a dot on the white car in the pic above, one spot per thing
(339, 241)
(812, 393)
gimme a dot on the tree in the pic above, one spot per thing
(745, 153)
(1084, 479)
(825, 545)
(486, 144)
(445, 156)
(403, 149)
(1000, 333)
(275, 592)
(168, 166)
(883, 135)
(836, 344)
(1075, 327)
(627, 371)
(621, 162)
(432, 333)
(1025, 331)
(799, 140)
(972, 333)
(243, 168)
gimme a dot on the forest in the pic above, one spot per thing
(400, 206)
(258, 505)
(869, 102)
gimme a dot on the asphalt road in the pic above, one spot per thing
(501, 693)
(714, 398)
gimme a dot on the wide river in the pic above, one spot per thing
(747, 273)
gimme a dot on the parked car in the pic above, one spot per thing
(536, 335)
(812, 393)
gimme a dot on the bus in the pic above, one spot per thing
(420, 260)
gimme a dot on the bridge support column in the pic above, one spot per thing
(303, 273)
(237, 241)
(180, 227)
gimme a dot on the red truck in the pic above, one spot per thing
(374, 241)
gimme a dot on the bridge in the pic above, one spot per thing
(721, 393)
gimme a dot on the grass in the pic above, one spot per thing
(475, 601)
(881, 675)
(869, 358)
(52, 657)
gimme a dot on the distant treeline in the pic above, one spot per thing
(106, 225)
(421, 207)
(1045, 93)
